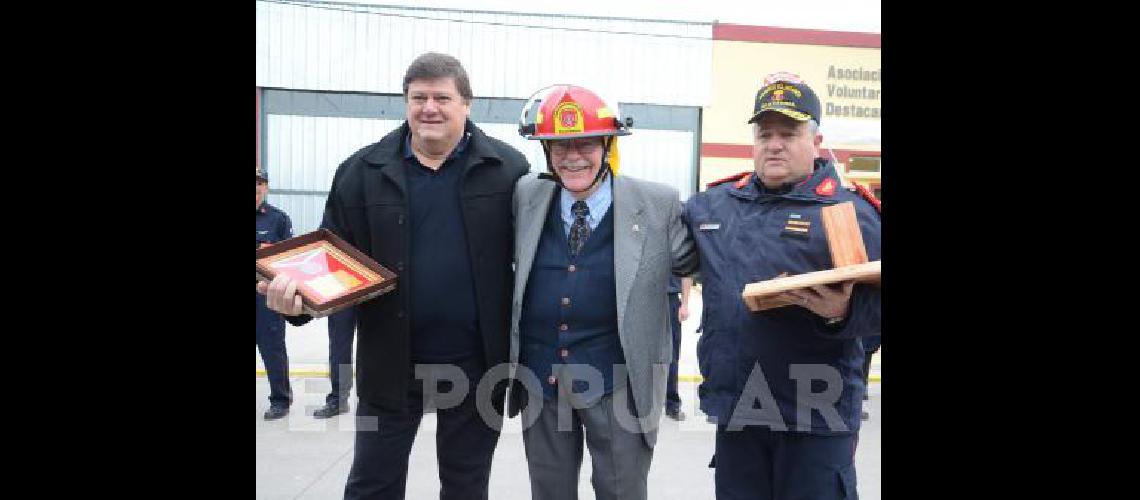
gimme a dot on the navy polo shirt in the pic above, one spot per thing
(441, 284)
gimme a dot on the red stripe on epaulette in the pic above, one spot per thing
(868, 195)
(743, 181)
(743, 176)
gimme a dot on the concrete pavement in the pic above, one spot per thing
(299, 457)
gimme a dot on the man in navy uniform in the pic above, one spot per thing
(272, 226)
(785, 385)
(678, 293)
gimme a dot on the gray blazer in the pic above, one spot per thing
(650, 243)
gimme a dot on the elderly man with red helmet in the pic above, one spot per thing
(590, 342)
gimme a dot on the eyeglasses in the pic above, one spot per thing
(582, 146)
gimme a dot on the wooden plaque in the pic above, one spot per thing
(844, 239)
(848, 255)
(331, 275)
(763, 295)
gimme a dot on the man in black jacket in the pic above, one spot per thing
(431, 201)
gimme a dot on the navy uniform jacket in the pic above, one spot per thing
(273, 225)
(743, 236)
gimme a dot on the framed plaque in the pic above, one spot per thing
(331, 275)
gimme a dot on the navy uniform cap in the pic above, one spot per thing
(794, 99)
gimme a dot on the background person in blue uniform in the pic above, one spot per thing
(591, 324)
(870, 347)
(272, 226)
(342, 326)
(786, 384)
(431, 201)
(678, 293)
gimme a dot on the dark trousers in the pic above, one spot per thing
(465, 445)
(342, 328)
(867, 377)
(672, 398)
(756, 463)
(867, 367)
(867, 371)
(271, 345)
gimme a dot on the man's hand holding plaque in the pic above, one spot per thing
(826, 301)
(281, 295)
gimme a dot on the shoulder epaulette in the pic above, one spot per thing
(741, 179)
(866, 194)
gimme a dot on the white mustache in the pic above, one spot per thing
(574, 166)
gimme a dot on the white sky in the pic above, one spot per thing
(837, 15)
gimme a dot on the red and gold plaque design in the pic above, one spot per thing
(322, 271)
(331, 274)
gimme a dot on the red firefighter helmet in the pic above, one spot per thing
(569, 112)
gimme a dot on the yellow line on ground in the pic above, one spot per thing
(325, 373)
(301, 373)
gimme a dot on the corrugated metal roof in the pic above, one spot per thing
(368, 48)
